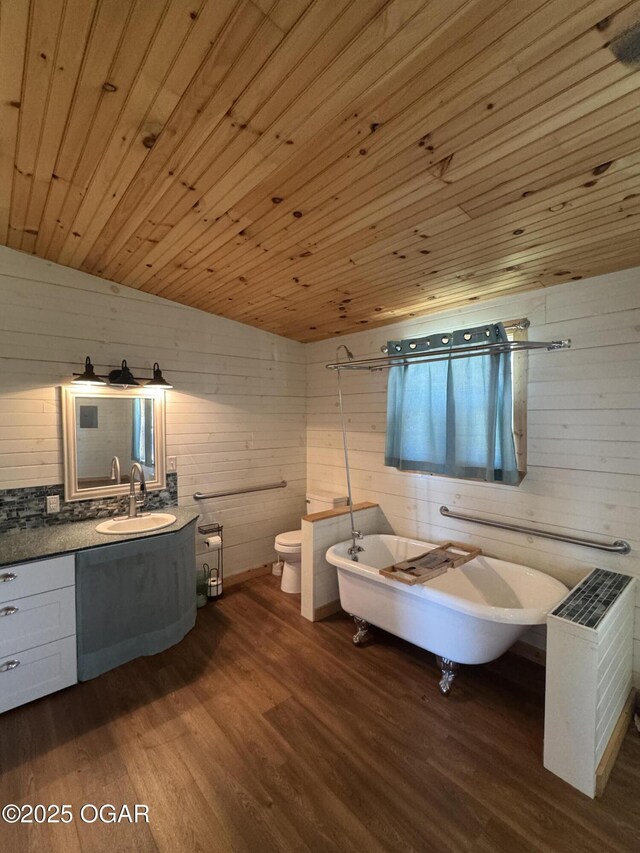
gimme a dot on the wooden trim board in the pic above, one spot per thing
(247, 575)
(334, 513)
(328, 609)
(615, 742)
(529, 652)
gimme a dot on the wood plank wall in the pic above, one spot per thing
(583, 432)
(236, 416)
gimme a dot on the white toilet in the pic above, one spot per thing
(289, 545)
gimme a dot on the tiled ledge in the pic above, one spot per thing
(334, 513)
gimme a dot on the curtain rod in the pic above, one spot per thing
(472, 351)
(518, 325)
(512, 326)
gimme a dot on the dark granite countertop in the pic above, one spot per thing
(27, 545)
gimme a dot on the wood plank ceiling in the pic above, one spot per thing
(312, 166)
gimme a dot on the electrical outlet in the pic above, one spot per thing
(53, 504)
(172, 463)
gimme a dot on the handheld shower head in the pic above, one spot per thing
(347, 351)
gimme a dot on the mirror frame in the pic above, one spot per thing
(69, 395)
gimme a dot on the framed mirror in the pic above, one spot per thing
(106, 430)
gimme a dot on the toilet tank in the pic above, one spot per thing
(319, 501)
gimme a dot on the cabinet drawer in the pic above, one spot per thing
(28, 675)
(40, 576)
(37, 619)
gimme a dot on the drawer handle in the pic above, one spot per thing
(9, 664)
(8, 576)
(8, 611)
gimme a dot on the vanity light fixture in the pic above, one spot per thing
(89, 376)
(121, 377)
(158, 380)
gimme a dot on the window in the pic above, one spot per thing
(457, 417)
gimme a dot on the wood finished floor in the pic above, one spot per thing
(262, 732)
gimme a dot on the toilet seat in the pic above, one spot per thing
(289, 542)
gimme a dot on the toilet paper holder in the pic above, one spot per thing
(213, 576)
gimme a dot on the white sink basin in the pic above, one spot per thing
(139, 524)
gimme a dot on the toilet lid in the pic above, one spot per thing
(291, 538)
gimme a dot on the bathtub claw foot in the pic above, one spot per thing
(364, 632)
(449, 671)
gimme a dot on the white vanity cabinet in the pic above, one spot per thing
(37, 629)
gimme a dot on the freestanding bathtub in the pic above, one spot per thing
(471, 614)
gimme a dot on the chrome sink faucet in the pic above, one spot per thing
(115, 469)
(134, 501)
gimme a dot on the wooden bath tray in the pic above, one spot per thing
(432, 563)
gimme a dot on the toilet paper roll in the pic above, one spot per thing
(213, 543)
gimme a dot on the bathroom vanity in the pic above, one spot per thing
(75, 603)
(37, 629)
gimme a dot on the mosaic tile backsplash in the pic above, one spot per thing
(25, 509)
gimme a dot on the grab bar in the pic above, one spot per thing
(619, 546)
(200, 496)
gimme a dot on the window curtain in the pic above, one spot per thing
(135, 432)
(142, 448)
(455, 416)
